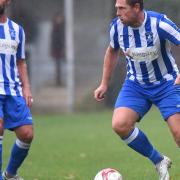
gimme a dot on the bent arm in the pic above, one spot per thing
(110, 61)
(177, 80)
(22, 70)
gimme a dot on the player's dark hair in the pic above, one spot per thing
(133, 2)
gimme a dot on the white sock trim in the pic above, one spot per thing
(1, 139)
(132, 136)
(22, 145)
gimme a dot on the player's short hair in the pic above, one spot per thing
(133, 2)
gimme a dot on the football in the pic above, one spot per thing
(108, 174)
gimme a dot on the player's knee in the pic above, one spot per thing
(121, 127)
(27, 136)
(1, 127)
(176, 134)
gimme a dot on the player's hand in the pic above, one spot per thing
(27, 96)
(99, 93)
(177, 81)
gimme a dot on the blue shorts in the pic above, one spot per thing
(14, 111)
(166, 96)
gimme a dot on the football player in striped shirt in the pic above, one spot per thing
(152, 76)
(15, 93)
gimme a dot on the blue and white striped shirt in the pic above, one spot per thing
(12, 48)
(147, 48)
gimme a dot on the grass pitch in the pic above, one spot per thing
(77, 146)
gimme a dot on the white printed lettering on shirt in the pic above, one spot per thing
(143, 53)
(8, 46)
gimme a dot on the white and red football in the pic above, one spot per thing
(108, 174)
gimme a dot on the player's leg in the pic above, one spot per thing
(123, 123)
(2, 98)
(174, 125)
(18, 118)
(166, 97)
(131, 105)
(168, 102)
(1, 140)
(20, 149)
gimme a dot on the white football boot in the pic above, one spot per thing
(16, 177)
(162, 168)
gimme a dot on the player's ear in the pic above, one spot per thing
(137, 7)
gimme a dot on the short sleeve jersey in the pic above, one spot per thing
(147, 48)
(12, 49)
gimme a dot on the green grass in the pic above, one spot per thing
(77, 146)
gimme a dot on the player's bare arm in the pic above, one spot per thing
(22, 69)
(177, 81)
(110, 61)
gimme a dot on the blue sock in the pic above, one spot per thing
(18, 154)
(138, 141)
(1, 140)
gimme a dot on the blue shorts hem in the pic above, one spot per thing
(134, 109)
(12, 127)
(171, 114)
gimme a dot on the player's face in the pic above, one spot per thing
(126, 13)
(3, 4)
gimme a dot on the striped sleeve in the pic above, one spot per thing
(114, 35)
(169, 30)
(21, 46)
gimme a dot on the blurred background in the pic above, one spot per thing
(65, 45)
